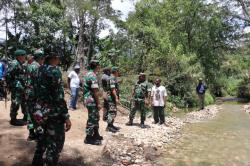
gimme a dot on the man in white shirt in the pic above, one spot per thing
(158, 96)
(74, 84)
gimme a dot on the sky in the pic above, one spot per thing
(125, 6)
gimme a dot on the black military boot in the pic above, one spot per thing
(116, 128)
(17, 122)
(97, 135)
(92, 141)
(130, 123)
(32, 136)
(111, 129)
(143, 125)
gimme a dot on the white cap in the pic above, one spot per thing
(77, 67)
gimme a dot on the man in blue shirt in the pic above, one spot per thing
(201, 90)
(2, 73)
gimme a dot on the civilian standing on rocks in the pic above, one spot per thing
(159, 95)
(201, 90)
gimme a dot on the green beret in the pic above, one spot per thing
(20, 52)
(39, 53)
(114, 69)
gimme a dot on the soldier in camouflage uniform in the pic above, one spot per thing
(51, 113)
(31, 89)
(105, 84)
(112, 100)
(140, 95)
(91, 100)
(15, 78)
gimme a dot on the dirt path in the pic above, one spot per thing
(16, 151)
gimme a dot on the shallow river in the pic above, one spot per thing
(223, 141)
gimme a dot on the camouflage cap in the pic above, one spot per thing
(114, 69)
(39, 53)
(20, 52)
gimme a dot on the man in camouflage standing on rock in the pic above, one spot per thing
(140, 98)
(31, 89)
(112, 100)
(51, 113)
(15, 78)
(91, 100)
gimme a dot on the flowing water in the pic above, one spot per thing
(223, 141)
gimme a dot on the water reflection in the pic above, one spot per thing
(223, 141)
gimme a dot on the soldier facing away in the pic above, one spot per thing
(31, 89)
(51, 113)
(15, 78)
(105, 86)
(91, 100)
(112, 100)
(140, 98)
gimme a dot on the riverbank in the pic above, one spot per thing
(136, 146)
(131, 146)
(246, 108)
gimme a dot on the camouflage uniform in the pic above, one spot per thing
(32, 76)
(105, 86)
(140, 93)
(31, 90)
(15, 78)
(112, 110)
(90, 82)
(51, 111)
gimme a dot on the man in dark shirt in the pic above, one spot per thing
(201, 90)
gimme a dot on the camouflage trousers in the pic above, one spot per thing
(17, 99)
(30, 110)
(138, 106)
(111, 113)
(93, 120)
(51, 143)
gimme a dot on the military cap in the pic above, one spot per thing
(20, 52)
(114, 69)
(39, 53)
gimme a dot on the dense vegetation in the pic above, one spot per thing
(177, 40)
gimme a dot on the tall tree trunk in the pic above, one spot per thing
(92, 40)
(80, 51)
(6, 31)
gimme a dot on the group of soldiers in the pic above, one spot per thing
(36, 85)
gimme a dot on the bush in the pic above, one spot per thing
(244, 89)
(209, 99)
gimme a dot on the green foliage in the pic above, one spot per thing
(209, 99)
(244, 89)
